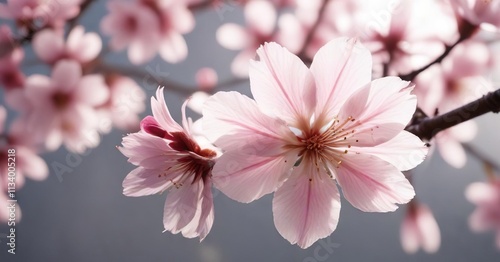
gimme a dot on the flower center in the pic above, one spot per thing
(61, 100)
(327, 146)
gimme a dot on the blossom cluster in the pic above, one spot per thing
(334, 85)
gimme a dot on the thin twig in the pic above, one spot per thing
(312, 31)
(467, 30)
(163, 81)
(479, 155)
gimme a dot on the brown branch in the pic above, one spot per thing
(466, 31)
(410, 76)
(312, 31)
(164, 81)
(487, 161)
(429, 127)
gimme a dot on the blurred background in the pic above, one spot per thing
(83, 215)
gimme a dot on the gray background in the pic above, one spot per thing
(85, 217)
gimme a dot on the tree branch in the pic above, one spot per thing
(429, 127)
(312, 31)
(164, 81)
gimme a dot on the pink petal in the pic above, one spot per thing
(371, 184)
(197, 100)
(247, 177)
(143, 182)
(307, 207)
(260, 16)
(87, 48)
(282, 85)
(206, 78)
(92, 90)
(173, 48)
(66, 74)
(405, 151)
(429, 230)
(480, 192)
(161, 113)
(48, 45)
(409, 235)
(181, 206)
(451, 150)
(33, 165)
(38, 89)
(479, 221)
(149, 151)
(381, 110)
(232, 121)
(232, 36)
(464, 132)
(139, 52)
(340, 67)
(181, 18)
(241, 63)
(203, 220)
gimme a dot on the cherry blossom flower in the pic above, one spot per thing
(478, 12)
(260, 17)
(125, 103)
(34, 14)
(310, 128)
(486, 196)
(63, 106)
(420, 230)
(148, 27)
(206, 78)
(50, 47)
(170, 157)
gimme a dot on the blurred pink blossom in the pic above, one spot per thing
(148, 27)
(36, 14)
(419, 230)
(62, 107)
(28, 163)
(11, 76)
(405, 35)
(478, 12)
(169, 157)
(7, 41)
(125, 103)
(458, 80)
(49, 45)
(260, 17)
(197, 100)
(206, 78)
(486, 196)
(331, 121)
